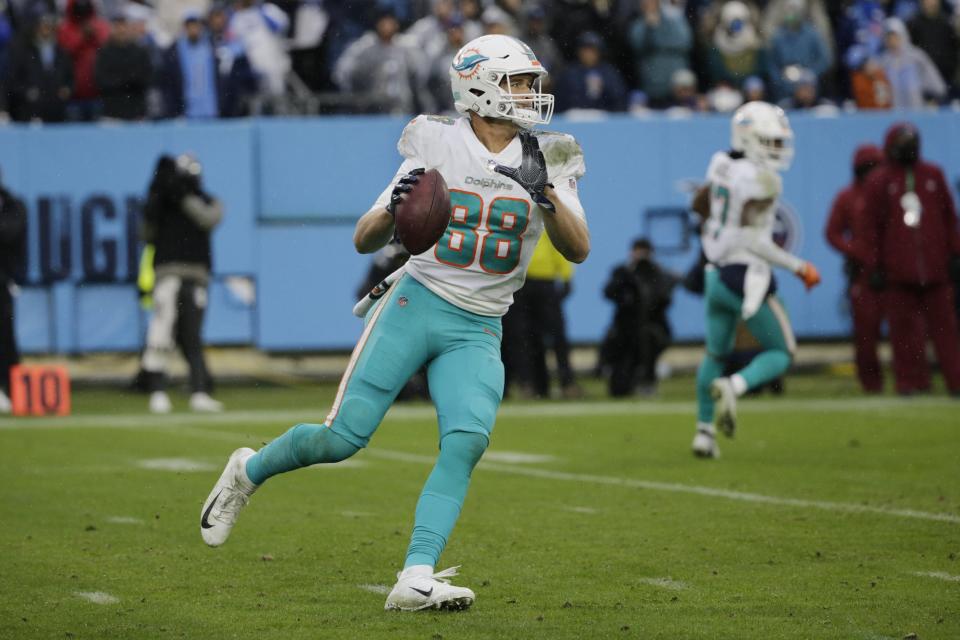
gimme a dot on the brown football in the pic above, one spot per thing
(422, 216)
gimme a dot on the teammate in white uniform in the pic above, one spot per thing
(507, 185)
(738, 203)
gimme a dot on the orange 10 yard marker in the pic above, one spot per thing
(40, 390)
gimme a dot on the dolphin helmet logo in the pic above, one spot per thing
(469, 64)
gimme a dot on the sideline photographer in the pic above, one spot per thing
(178, 219)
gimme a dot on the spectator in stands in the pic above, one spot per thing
(200, 80)
(803, 91)
(430, 32)
(685, 97)
(514, 9)
(187, 74)
(23, 14)
(754, 89)
(144, 31)
(537, 38)
(776, 11)
(384, 72)
(472, 12)
(438, 77)
(13, 253)
(861, 25)
(82, 33)
(218, 23)
(573, 17)
(911, 247)
(796, 43)
(724, 99)
(168, 15)
(123, 73)
(496, 21)
(310, 24)
(6, 42)
(661, 42)
(178, 219)
(591, 83)
(348, 21)
(865, 302)
(41, 76)
(868, 81)
(932, 32)
(641, 292)
(913, 77)
(535, 324)
(262, 27)
(736, 52)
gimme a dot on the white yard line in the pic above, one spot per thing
(97, 597)
(939, 575)
(124, 520)
(175, 464)
(351, 463)
(586, 510)
(675, 487)
(516, 457)
(380, 589)
(177, 424)
(664, 583)
(423, 412)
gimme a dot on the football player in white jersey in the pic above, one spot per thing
(507, 184)
(738, 204)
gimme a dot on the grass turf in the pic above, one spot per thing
(606, 538)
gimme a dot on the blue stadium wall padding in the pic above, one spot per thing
(293, 187)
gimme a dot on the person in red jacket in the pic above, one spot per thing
(81, 35)
(865, 302)
(911, 244)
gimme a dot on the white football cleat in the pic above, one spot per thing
(428, 591)
(160, 402)
(705, 445)
(203, 403)
(229, 495)
(725, 413)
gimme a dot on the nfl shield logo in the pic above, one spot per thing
(402, 301)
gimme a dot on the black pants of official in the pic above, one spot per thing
(535, 323)
(633, 357)
(178, 309)
(9, 353)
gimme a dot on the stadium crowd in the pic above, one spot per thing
(126, 60)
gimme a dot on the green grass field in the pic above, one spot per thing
(830, 516)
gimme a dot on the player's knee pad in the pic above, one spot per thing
(462, 449)
(479, 410)
(357, 419)
(313, 443)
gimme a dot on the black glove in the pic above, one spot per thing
(532, 172)
(878, 280)
(405, 185)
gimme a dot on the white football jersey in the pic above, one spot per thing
(733, 183)
(494, 225)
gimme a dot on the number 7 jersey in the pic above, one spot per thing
(482, 257)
